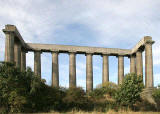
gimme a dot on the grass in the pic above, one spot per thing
(109, 112)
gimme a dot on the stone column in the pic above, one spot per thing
(72, 69)
(139, 63)
(23, 60)
(105, 77)
(132, 64)
(9, 47)
(148, 65)
(120, 69)
(37, 63)
(89, 72)
(55, 70)
(17, 54)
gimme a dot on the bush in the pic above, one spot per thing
(103, 96)
(129, 92)
(25, 92)
(76, 98)
(13, 90)
(156, 96)
(103, 89)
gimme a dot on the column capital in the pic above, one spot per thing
(148, 39)
(72, 52)
(104, 54)
(139, 50)
(8, 32)
(54, 50)
(57, 52)
(38, 51)
(89, 53)
(24, 50)
(120, 55)
(149, 42)
(132, 55)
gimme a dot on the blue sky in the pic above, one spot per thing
(100, 23)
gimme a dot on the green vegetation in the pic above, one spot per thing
(25, 92)
(129, 92)
(156, 95)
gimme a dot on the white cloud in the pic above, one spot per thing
(118, 24)
(156, 54)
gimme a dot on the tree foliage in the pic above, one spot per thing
(156, 96)
(76, 98)
(25, 92)
(129, 91)
(103, 89)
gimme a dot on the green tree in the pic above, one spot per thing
(25, 92)
(13, 93)
(129, 91)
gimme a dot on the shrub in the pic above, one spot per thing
(156, 96)
(76, 98)
(13, 93)
(25, 92)
(103, 96)
(103, 89)
(129, 91)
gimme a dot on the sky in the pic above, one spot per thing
(98, 23)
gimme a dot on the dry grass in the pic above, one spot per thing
(109, 112)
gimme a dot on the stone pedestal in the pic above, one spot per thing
(89, 73)
(105, 76)
(148, 65)
(23, 60)
(72, 69)
(55, 70)
(9, 47)
(139, 63)
(17, 54)
(132, 64)
(37, 63)
(146, 95)
(120, 69)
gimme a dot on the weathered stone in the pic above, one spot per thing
(55, 70)
(78, 49)
(146, 95)
(37, 63)
(17, 54)
(148, 65)
(17, 35)
(120, 69)
(132, 64)
(14, 43)
(72, 69)
(23, 60)
(105, 76)
(89, 73)
(141, 43)
(9, 47)
(139, 63)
